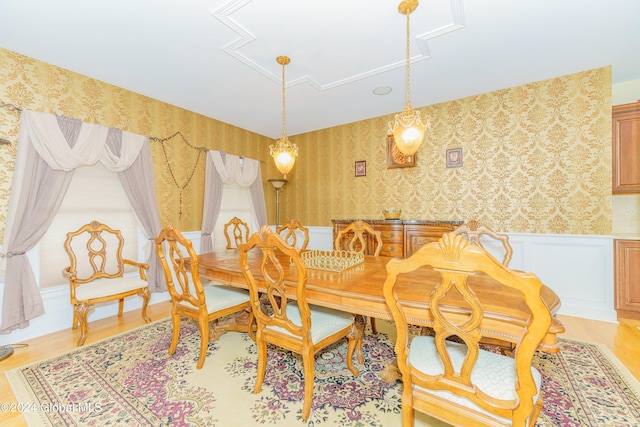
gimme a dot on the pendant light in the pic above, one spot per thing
(407, 127)
(284, 153)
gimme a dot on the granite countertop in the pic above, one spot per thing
(403, 221)
(626, 236)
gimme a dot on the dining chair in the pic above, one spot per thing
(189, 297)
(451, 376)
(96, 273)
(474, 230)
(285, 319)
(293, 228)
(236, 231)
(359, 236)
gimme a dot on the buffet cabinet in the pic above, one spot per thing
(627, 278)
(400, 238)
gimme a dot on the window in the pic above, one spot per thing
(95, 193)
(236, 201)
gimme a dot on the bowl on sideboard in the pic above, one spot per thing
(392, 213)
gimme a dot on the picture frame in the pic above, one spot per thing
(360, 168)
(395, 159)
(454, 158)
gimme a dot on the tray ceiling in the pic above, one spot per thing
(217, 57)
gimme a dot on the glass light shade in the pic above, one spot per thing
(408, 130)
(277, 183)
(284, 155)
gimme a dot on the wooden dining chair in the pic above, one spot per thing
(450, 376)
(359, 236)
(236, 231)
(474, 230)
(189, 298)
(96, 273)
(293, 229)
(285, 319)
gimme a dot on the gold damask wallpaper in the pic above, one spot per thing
(536, 158)
(38, 86)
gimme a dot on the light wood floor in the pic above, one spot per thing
(622, 338)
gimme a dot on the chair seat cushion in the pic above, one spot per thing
(105, 287)
(493, 373)
(324, 321)
(220, 297)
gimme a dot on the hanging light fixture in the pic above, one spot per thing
(407, 127)
(284, 153)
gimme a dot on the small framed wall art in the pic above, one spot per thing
(361, 168)
(454, 157)
(395, 159)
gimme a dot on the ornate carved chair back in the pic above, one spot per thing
(359, 237)
(293, 229)
(488, 386)
(236, 232)
(284, 318)
(96, 272)
(184, 286)
(474, 230)
(189, 297)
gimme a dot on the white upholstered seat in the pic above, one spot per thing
(189, 297)
(292, 325)
(448, 375)
(96, 273)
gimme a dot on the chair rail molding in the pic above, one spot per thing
(57, 313)
(579, 269)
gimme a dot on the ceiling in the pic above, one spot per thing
(218, 57)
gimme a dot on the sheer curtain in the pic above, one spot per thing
(222, 169)
(49, 149)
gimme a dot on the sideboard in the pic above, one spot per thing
(401, 237)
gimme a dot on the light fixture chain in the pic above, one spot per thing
(408, 62)
(284, 153)
(284, 126)
(407, 126)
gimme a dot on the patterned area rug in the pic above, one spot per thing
(131, 380)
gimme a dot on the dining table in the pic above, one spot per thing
(358, 290)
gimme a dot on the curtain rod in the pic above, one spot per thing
(203, 149)
(10, 107)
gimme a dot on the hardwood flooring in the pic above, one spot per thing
(622, 338)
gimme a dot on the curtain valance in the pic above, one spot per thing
(224, 169)
(243, 171)
(49, 149)
(42, 131)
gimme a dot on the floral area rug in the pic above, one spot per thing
(130, 380)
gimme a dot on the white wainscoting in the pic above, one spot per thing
(578, 268)
(58, 313)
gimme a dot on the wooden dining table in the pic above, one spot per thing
(358, 290)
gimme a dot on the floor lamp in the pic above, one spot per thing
(277, 183)
(5, 351)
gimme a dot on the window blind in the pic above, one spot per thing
(95, 193)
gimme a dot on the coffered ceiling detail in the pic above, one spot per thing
(304, 27)
(217, 57)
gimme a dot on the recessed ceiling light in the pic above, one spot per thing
(382, 90)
